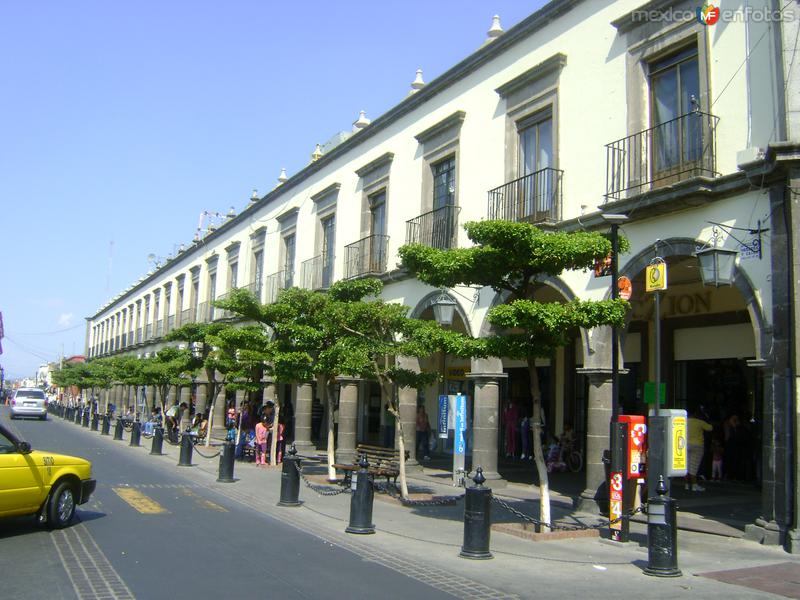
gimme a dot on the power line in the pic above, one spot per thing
(52, 332)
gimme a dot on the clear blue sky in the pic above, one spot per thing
(121, 121)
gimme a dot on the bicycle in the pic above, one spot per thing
(572, 456)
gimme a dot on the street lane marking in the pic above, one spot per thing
(140, 502)
(203, 502)
(87, 567)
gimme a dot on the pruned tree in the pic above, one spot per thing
(166, 369)
(512, 258)
(215, 362)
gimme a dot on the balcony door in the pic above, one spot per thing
(328, 248)
(443, 223)
(535, 188)
(377, 231)
(677, 140)
(289, 246)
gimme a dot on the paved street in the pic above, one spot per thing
(155, 530)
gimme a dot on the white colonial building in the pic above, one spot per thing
(584, 108)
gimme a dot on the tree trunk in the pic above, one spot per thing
(212, 388)
(389, 388)
(276, 431)
(538, 451)
(329, 399)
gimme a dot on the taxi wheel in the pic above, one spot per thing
(61, 507)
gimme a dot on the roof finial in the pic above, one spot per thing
(496, 30)
(254, 196)
(282, 177)
(317, 154)
(418, 83)
(361, 122)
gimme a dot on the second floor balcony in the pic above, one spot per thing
(274, 284)
(139, 339)
(317, 273)
(436, 228)
(187, 316)
(671, 152)
(254, 288)
(367, 256)
(159, 328)
(148, 331)
(534, 198)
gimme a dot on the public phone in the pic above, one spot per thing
(675, 441)
(636, 445)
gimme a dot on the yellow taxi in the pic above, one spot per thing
(42, 483)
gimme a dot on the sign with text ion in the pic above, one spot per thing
(656, 277)
(442, 417)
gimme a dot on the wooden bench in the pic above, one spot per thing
(383, 462)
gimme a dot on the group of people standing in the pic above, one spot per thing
(252, 428)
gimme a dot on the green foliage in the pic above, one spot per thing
(506, 256)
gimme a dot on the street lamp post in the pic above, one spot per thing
(617, 431)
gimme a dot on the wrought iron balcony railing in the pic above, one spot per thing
(534, 198)
(673, 151)
(148, 331)
(139, 335)
(367, 256)
(170, 323)
(317, 273)
(187, 316)
(436, 228)
(255, 289)
(274, 284)
(159, 328)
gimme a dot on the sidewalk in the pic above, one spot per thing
(424, 542)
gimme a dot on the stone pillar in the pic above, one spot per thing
(302, 418)
(486, 417)
(202, 397)
(407, 405)
(270, 393)
(594, 498)
(185, 395)
(218, 425)
(348, 417)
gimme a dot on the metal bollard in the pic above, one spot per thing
(77, 416)
(105, 428)
(118, 429)
(226, 463)
(662, 534)
(86, 417)
(158, 441)
(186, 451)
(136, 434)
(290, 479)
(477, 519)
(361, 501)
(95, 421)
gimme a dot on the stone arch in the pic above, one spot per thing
(428, 301)
(555, 283)
(688, 247)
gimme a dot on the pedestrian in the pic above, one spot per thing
(262, 429)
(717, 454)
(696, 426)
(511, 420)
(423, 427)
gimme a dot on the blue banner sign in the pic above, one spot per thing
(442, 417)
(461, 424)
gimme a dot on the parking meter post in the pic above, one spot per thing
(290, 479)
(186, 451)
(477, 520)
(361, 501)
(657, 427)
(105, 428)
(662, 534)
(226, 463)
(118, 429)
(158, 441)
(136, 433)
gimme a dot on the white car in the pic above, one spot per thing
(29, 402)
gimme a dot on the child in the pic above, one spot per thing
(717, 452)
(262, 428)
(230, 435)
